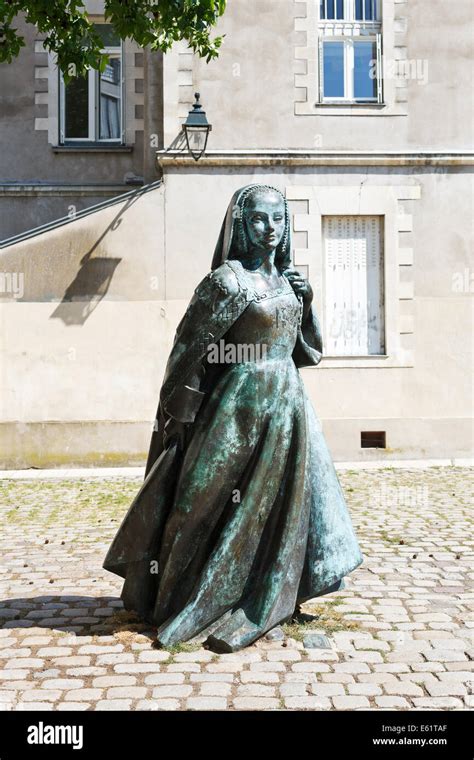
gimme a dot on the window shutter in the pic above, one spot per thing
(122, 90)
(375, 291)
(61, 106)
(337, 286)
(379, 70)
(321, 69)
(353, 303)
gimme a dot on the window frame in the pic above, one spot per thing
(349, 13)
(384, 200)
(94, 106)
(381, 288)
(350, 30)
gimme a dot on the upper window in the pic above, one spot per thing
(354, 10)
(92, 105)
(350, 51)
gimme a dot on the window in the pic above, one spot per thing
(92, 106)
(350, 51)
(360, 10)
(353, 285)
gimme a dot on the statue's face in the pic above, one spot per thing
(264, 220)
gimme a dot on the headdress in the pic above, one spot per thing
(233, 239)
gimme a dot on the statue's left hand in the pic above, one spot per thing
(301, 287)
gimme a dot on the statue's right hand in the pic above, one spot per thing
(175, 429)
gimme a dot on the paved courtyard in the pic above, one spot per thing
(400, 633)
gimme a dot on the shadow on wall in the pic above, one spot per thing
(86, 290)
(92, 280)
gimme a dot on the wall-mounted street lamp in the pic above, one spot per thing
(196, 129)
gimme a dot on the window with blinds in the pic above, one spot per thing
(353, 285)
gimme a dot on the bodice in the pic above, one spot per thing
(269, 324)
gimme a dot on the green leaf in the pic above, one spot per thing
(71, 36)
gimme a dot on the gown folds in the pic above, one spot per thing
(228, 534)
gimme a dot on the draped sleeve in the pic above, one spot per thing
(216, 303)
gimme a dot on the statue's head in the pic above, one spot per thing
(257, 221)
(263, 219)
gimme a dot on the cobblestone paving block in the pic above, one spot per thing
(206, 703)
(308, 703)
(257, 690)
(159, 704)
(364, 689)
(273, 667)
(216, 689)
(392, 703)
(350, 702)
(256, 703)
(287, 689)
(114, 704)
(216, 677)
(438, 703)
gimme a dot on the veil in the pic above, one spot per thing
(232, 241)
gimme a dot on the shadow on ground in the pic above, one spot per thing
(82, 615)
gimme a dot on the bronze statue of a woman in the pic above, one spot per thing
(241, 516)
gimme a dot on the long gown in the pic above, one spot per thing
(258, 522)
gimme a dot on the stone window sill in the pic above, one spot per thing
(92, 148)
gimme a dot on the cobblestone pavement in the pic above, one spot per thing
(399, 633)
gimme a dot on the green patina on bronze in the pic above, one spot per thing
(241, 516)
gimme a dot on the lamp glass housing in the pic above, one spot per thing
(196, 129)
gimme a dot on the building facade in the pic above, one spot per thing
(360, 111)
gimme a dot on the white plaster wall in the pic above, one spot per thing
(96, 359)
(261, 91)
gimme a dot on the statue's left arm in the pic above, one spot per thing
(308, 350)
